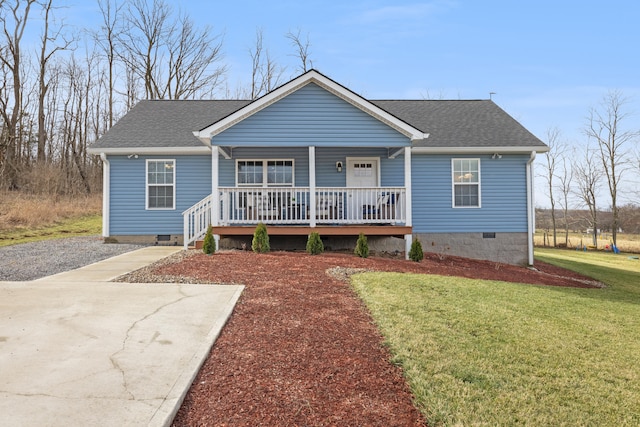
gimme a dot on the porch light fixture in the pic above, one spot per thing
(496, 155)
(339, 166)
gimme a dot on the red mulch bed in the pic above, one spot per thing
(301, 349)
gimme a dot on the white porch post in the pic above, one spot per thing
(408, 238)
(312, 186)
(215, 192)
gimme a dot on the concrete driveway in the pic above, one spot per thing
(76, 349)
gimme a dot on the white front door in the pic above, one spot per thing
(361, 173)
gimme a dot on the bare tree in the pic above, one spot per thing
(587, 175)
(49, 35)
(302, 49)
(257, 85)
(564, 180)
(106, 39)
(13, 18)
(148, 26)
(605, 127)
(193, 57)
(173, 58)
(131, 86)
(551, 157)
(265, 72)
(271, 72)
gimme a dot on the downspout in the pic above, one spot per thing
(531, 213)
(215, 191)
(106, 190)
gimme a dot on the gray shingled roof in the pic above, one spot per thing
(480, 123)
(476, 123)
(162, 123)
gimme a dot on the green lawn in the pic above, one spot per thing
(492, 353)
(83, 226)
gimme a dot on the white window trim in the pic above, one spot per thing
(265, 171)
(453, 184)
(146, 185)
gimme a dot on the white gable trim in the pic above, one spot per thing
(326, 83)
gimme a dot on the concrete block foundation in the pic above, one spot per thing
(392, 245)
(509, 248)
(159, 240)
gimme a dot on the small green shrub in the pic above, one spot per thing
(209, 244)
(415, 253)
(314, 244)
(260, 242)
(362, 247)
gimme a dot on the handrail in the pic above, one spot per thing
(196, 220)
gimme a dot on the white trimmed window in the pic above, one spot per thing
(465, 174)
(264, 173)
(161, 178)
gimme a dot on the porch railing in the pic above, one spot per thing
(195, 220)
(292, 206)
(250, 205)
(333, 205)
(361, 205)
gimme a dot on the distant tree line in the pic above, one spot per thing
(595, 183)
(579, 221)
(64, 92)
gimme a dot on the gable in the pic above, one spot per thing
(311, 116)
(317, 79)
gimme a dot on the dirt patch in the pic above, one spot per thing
(301, 349)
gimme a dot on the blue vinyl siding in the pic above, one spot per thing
(300, 156)
(128, 215)
(503, 196)
(311, 116)
(391, 170)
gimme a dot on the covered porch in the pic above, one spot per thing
(299, 210)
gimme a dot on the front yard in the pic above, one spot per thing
(494, 353)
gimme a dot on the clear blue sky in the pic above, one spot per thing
(547, 61)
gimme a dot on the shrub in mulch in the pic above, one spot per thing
(362, 247)
(260, 242)
(314, 244)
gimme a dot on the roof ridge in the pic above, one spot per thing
(430, 100)
(194, 100)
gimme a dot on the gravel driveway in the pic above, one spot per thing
(30, 261)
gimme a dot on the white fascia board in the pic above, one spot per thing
(478, 150)
(151, 150)
(312, 76)
(203, 139)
